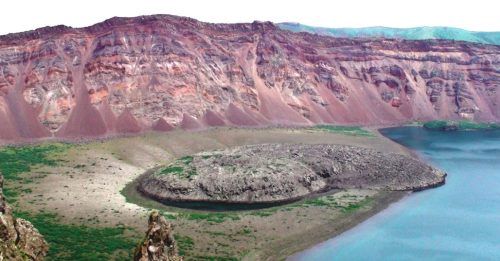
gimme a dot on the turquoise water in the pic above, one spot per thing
(458, 221)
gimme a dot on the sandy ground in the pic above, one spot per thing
(85, 188)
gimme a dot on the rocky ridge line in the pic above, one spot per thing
(129, 75)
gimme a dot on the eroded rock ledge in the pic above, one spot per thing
(19, 240)
(284, 172)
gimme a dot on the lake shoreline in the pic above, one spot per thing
(384, 203)
(303, 238)
(328, 231)
(428, 224)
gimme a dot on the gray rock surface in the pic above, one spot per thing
(283, 172)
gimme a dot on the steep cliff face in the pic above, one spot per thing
(19, 240)
(127, 75)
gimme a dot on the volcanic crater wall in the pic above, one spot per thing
(127, 75)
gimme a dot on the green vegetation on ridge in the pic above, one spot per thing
(459, 125)
(417, 33)
(71, 242)
(181, 167)
(346, 130)
(15, 160)
(66, 242)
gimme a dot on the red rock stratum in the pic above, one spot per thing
(128, 75)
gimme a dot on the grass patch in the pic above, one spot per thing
(355, 206)
(459, 125)
(470, 125)
(172, 170)
(169, 216)
(330, 202)
(211, 217)
(214, 258)
(26, 191)
(327, 201)
(245, 231)
(11, 194)
(317, 202)
(346, 130)
(17, 160)
(216, 217)
(271, 210)
(351, 208)
(263, 213)
(184, 244)
(181, 167)
(436, 125)
(187, 159)
(69, 242)
(216, 233)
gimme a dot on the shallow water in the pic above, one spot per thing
(458, 221)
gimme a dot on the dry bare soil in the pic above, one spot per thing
(83, 189)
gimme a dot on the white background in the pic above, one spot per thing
(478, 15)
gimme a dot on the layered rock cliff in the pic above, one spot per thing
(19, 240)
(127, 75)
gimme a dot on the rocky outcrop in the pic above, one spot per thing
(19, 240)
(125, 74)
(159, 243)
(283, 172)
